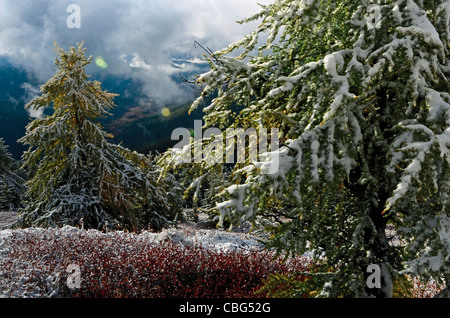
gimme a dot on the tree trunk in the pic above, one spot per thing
(381, 249)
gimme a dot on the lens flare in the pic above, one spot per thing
(165, 112)
(100, 62)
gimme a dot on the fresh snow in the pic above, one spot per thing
(421, 25)
(216, 239)
(210, 239)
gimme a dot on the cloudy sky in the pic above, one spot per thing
(135, 38)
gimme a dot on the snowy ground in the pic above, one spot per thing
(189, 234)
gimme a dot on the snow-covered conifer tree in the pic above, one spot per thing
(79, 177)
(11, 180)
(360, 93)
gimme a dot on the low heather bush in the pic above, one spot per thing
(121, 264)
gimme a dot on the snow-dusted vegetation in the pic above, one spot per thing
(78, 175)
(358, 94)
(183, 262)
(186, 261)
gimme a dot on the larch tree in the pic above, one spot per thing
(360, 93)
(79, 178)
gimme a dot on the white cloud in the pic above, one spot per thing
(136, 38)
(31, 93)
(137, 62)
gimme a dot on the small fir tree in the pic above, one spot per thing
(11, 180)
(81, 178)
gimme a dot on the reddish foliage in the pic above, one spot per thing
(125, 265)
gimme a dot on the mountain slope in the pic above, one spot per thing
(138, 124)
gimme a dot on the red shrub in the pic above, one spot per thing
(127, 265)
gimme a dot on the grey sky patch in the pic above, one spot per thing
(148, 33)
